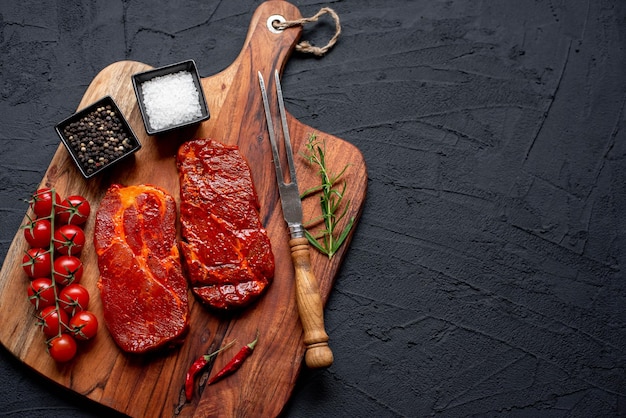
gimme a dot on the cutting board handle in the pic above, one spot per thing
(268, 47)
(265, 47)
(235, 102)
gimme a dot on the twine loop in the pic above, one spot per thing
(305, 46)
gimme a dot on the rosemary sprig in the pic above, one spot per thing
(327, 240)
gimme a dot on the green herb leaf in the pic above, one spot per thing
(328, 239)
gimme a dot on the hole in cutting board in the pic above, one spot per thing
(271, 20)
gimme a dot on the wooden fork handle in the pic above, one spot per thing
(318, 353)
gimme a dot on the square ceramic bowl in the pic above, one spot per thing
(98, 136)
(170, 97)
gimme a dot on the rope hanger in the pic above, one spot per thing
(305, 46)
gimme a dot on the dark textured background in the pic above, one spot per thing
(486, 277)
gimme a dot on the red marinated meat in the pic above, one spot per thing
(143, 290)
(226, 250)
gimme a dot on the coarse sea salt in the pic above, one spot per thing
(171, 100)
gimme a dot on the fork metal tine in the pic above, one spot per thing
(270, 128)
(283, 119)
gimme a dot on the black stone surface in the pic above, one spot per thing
(486, 277)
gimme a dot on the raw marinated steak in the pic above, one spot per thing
(226, 251)
(143, 290)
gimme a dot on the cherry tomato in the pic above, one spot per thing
(74, 210)
(73, 299)
(41, 202)
(69, 240)
(37, 263)
(62, 348)
(38, 233)
(84, 325)
(67, 270)
(53, 320)
(41, 293)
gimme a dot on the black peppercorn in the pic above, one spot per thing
(98, 138)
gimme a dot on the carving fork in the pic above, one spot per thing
(318, 353)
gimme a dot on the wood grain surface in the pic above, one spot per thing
(151, 385)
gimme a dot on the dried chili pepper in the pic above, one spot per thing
(235, 363)
(197, 366)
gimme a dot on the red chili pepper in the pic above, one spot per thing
(197, 366)
(235, 363)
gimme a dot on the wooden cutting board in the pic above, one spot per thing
(151, 385)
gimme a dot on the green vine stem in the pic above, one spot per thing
(51, 218)
(327, 240)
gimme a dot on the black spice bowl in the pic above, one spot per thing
(98, 136)
(170, 113)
